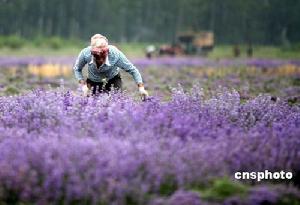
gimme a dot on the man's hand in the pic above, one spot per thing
(84, 88)
(144, 94)
(82, 82)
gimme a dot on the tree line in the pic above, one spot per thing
(232, 21)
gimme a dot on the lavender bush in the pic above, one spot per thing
(249, 76)
(57, 147)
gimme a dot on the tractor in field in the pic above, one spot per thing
(186, 43)
(196, 42)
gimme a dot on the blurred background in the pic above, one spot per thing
(268, 22)
(230, 43)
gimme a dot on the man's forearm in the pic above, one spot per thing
(78, 66)
(78, 73)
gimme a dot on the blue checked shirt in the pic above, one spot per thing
(114, 61)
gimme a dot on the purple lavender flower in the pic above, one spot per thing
(262, 195)
(184, 198)
(113, 149)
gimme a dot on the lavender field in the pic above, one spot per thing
(249, 77)
(205, 120)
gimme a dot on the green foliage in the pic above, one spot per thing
(295, 47)
(17, 43)
(2, 42)
(130, 200)
(289, 200)
(55, 42)
(75, 42)
(234, 21)
(226, 51)
(13, 42)
(296, 81)
(224, 188)
(39, 41)
(11, 90)
(169, 186)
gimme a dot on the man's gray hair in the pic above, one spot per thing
(99, 40)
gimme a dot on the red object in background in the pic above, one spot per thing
(170, 50)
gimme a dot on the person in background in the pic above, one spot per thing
(236, 51)
(104, 63)
(250, 50)
(150, 49)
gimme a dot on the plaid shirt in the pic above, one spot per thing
(114, 61)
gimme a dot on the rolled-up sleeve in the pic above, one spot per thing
(78, 66)
(126, 65)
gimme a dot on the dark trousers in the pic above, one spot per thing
(99, 87)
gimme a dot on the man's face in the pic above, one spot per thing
(100, 54)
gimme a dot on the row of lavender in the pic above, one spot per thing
(62, 148)
(8, 61)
